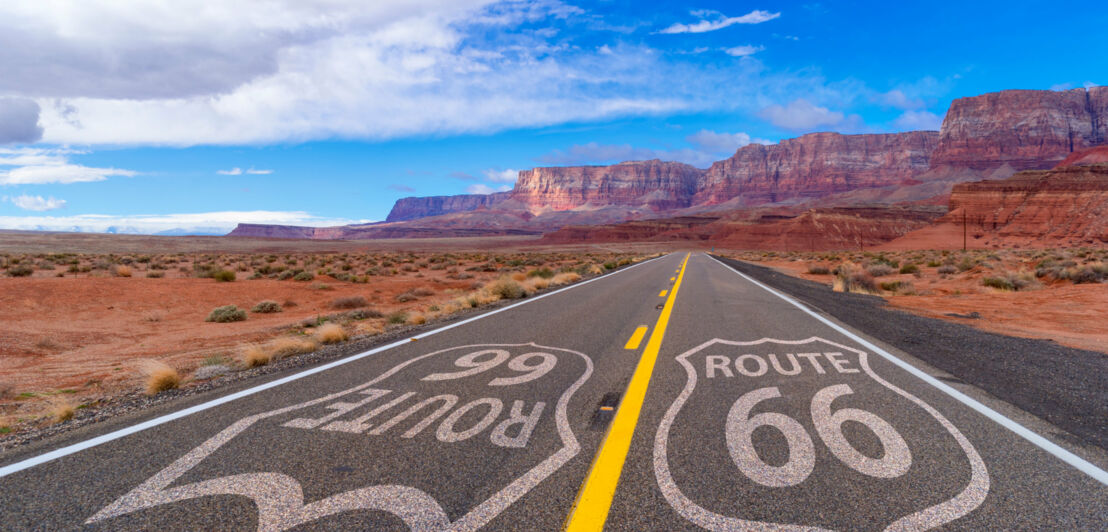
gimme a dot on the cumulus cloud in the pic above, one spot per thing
(714, 20)
(191, 223)
(37, 203)
(502, 176)
(800, 114)
(19, 119)
(918, 120)
(40, 166)
(743, 51)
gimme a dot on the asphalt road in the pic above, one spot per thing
(661, 397)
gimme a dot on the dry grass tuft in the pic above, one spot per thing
(330, 333)
(417, 318)
(61, 409)
(565, 278)
(519, 276)
(121, 271)
(288, 346)
(255, 355)
(159, 376)
(506, 289)
(345, 303)
(369, 328)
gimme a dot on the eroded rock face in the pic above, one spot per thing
(1062, 205)
(422, 207)
(817, 165)
(656, 184)
(1024, 129)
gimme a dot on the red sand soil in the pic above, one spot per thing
(1070, 314)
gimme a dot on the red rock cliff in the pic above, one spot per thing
(657, 184)
(1025, 129)
(817, 165)
(413, 208)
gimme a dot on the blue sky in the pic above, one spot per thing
(195, 115)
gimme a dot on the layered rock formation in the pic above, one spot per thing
(423, 207)
(655, 184)
(1023, 129)
(817, 165)
(1063, 206)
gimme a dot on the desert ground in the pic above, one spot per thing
(1053, 294)
(82, 326)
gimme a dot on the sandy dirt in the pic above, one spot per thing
(1067, 313)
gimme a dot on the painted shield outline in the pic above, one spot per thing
(966, 501)
(278, 510)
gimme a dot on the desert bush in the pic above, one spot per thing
(369, 328)
(159, 376)
(999, 283)
(288, 346)
(934, 264)
(363, 314)
(816, 269)
(303, 276)
(895, 286)
(400, 317)
(849, 278)
(121, 271)
(566, 278)
(330, 333)
(21, 270)
(223, 276)
(225, 314)
(506, 289)
(947, 270)
(349, 302)
(266, 307)
(909, 268)
(406, 297)
(880, 269)
(286, 275)
(155, 274)
(61, 409)
(1011, 281)
(545, 273)
(255, 355)
(417, 318)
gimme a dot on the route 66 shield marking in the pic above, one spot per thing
(417, 404)
(751, 394)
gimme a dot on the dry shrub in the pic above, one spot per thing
(596, 269)
(330, 333)
(506, 289)
(417, 318)
(159, 376)
(266, 307)
(255, 355)
(369, 328)
(226, 314)
(519, 276)
(121, 271)
(345, 303)
(535, 284)
(61, 409)
(850, 278)
(288, 346)
(565, 278)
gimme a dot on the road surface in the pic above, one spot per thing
(673, 395)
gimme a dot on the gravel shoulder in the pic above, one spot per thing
(1064, 386)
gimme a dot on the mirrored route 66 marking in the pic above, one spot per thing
(792, 423)
(388, 426)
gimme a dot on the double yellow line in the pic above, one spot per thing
(590, 511)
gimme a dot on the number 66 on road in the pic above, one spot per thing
(741, 425)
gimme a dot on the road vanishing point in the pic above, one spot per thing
(676, 394)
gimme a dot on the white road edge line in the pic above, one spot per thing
(1062, 454)
(105, 438)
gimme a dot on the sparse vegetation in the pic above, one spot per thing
(817, 269)
(61, 408)
(350, 302)
(120, 270)
(223, 276)
(330, 333)
(506, 289)
(160, 376)
(266, 307)
(226, 314)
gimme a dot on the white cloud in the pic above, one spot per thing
(722, 143)
(192, 223)
(254, 171)
(898, 99)
(743, 51)
(480, 188)
(918, 120)
(36, 203)
(502, 176)
(713, 21)
(239, 171)
(234, 171)
(800, 114)
(39, 166)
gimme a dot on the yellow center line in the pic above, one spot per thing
(663, 293)
(636, 338)
(590, 511)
